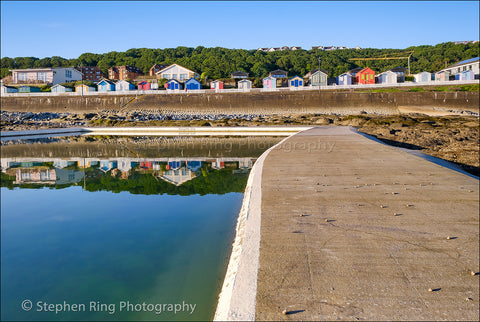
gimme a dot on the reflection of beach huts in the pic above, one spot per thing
(82, 163)
(174, 165)
(60, 164)
(124, 165)
(218, 164)
(422, 77)
(269, 82)
(84, 88)
(60, 89)
(105, 86)
(43, 176)
(194, 165)
(193, 84)
(344, 79)
(106, 165)
(178, 176)
(146, 165)
(244, 84)
(65, 176)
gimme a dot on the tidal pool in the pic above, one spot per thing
(119, 228)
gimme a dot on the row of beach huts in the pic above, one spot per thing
(180, 78)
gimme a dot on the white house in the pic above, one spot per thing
(45, 75)
(177, 72)
(472, 64)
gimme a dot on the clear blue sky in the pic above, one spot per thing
(68, 29)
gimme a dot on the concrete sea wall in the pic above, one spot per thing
(254, 102)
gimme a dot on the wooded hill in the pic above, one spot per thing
(220, 62)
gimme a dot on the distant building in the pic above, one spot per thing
(45, 75)
(472, 64)
(124, 72)
(156, 68)
(400, 72)
(177, 72)
(278, 74)
(295, 48)
(239, 74)
(91, 73)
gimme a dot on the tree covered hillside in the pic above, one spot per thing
(220, 62)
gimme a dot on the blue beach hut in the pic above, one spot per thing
(295, 81)
(105, 86)
(29, 89)
(173, 84)
(194, 165)
(193, 84)
(344, 79)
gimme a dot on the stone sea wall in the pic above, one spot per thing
(325, 102)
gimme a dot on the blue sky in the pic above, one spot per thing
(68, 29)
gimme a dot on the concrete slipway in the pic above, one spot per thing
(337, 226)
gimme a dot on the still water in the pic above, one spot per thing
(119, 228)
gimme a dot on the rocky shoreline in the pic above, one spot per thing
(454, 138)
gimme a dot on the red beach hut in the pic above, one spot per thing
(365, 76)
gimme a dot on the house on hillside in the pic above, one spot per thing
(60, 89)
(365, 76)
(45, 75)
(269, 82)
(216, 85)
(422, 77)
(123, 85)
(105, 86)
(177, 72)
(156, 68)
(84, 88)
(344, 79)
(173, 84)
(387, 78)
(193, 84)
(124, 72)
(239, 74)
(244, 85)
(295, 81)
(472, 64)
(9, 89)
(278, 74)
(400, 72)
(91, 73)
(319, 78)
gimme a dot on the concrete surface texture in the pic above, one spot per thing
(353, 229)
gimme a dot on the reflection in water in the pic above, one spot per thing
(163, 237)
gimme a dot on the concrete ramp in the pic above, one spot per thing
(352, 229)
